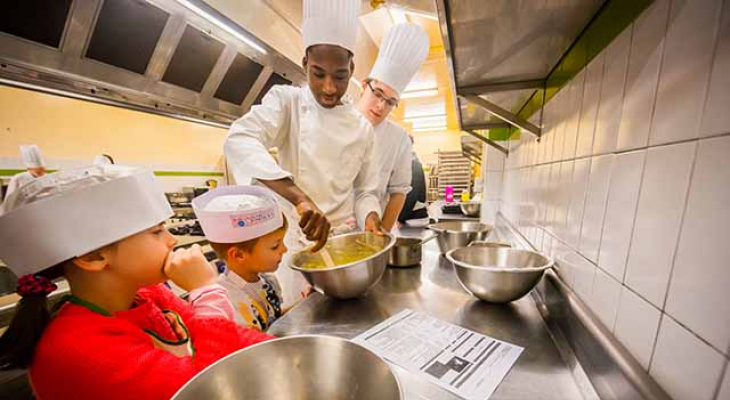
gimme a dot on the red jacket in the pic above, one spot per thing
(86, 355)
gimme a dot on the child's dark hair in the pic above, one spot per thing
(221, 249)
(18, 343)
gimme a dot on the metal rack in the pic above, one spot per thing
(453, 170)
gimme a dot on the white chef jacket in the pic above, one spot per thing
(327, 152)
(16, 181)
(393, 156)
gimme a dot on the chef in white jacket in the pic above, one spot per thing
(402, 51)
(324, 145)
(33, 161)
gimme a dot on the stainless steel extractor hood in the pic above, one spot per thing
(179, 58)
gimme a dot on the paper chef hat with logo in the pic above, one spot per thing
(236, 214)
(69, 213)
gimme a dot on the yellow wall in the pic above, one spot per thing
(69, 129)
(427, 144)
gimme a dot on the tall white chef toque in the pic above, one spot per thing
(402, 51)
(31, 156)
(330, 22)
(237, 214)
(70, 213)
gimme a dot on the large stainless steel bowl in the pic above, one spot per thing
(348, 280)
(470, 208)
(455, 234)
(498, 274)
(296, 367)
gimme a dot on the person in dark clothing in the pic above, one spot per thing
(416, 195)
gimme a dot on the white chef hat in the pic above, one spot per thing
(237, 214)
(402, 51)
(330, 22)
(32, 157)
(69, 213)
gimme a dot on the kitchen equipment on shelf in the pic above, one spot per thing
(498, 274)
(407, 251)
(303, 367)
(351, 279)
(470, 208)
(455, 234)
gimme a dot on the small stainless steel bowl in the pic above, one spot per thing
(406, 252)
(471, 208)
(348, 280)
(455, 234)
(298, 367)
(498, 274)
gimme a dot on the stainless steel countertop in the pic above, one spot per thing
(540, 372)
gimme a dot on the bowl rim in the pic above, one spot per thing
(435, 228)
(550, 262)
(278, 339)
(385, 249)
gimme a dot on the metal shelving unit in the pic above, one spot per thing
(453, 170)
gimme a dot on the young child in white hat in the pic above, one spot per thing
(122, 333)
(246, 229)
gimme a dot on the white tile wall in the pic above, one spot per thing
(595, 206)
(683, 80)
(620, 212)
(604, 300)
(703, 246)
(647, 47)
(683, 365)
(589, 107)
(493, 185)
(658, 219)
(574, 102)
(562, 199)
(629, 191)
(612, 94)
(578, 189)
(637, 325)
(716, 118)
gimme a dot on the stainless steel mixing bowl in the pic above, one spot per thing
(297, 367)
(481, 243)
(455, 234)
(498, 274)
(470, 208)
(348, 280)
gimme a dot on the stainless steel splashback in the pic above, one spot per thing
(159, 56)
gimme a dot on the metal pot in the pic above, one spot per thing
(455, 234)
(407, 251)
(471, 208)
(301, 367)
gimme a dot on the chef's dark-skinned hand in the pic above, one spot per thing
(314, 224)
(374, 224)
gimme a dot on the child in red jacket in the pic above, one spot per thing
(121, 334)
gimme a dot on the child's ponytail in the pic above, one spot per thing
(18, 343)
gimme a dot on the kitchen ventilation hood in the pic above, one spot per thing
(179, 58)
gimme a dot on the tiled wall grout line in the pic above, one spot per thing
(718, 29)
(697, 139)
(659, 71)
(693, 168)
(636, 215)
(723, 371)
(662, 315)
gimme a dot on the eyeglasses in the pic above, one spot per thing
(388, 101)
